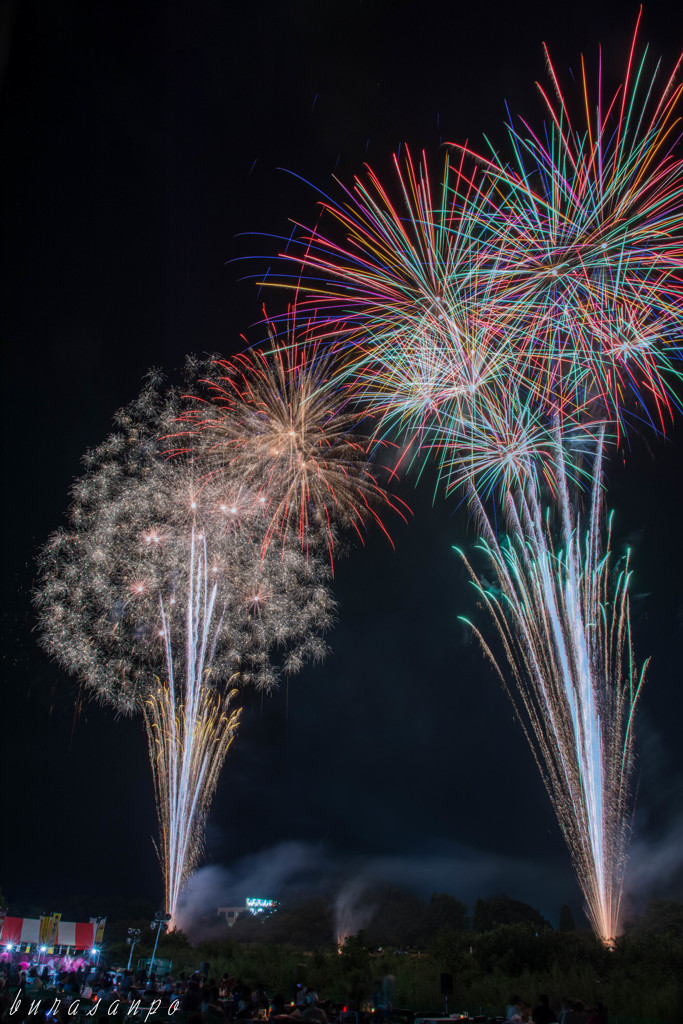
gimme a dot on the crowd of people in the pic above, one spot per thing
(198, 997)
(571, 1011)
(193, 995)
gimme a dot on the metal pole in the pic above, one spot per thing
(151, 963)
(159, 922)
(130, 958)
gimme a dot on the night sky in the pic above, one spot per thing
(146, 150)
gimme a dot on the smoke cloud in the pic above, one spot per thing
(655, 867)
(294, 868)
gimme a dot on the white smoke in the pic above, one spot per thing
(293, 868)
(655, 863)
(655, 866)
(350, 914)
(283, 868)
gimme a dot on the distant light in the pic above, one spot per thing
(259, 906)
(9, 947)
(43, 949)
(193, 505)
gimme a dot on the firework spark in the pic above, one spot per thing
(562, 616)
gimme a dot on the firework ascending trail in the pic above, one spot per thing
(187, 747)
(161, 576)
(562, 615)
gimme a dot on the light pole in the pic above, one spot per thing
(133, 936)
(160, 924)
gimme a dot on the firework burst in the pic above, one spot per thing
(588, 220)
(158, 576)
(275, 420)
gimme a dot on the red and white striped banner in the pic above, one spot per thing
(27, 929)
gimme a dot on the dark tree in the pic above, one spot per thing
(443, 910)
(399, 919)
(661, 917)
(566, 919)
(500, 909)
(305, 922)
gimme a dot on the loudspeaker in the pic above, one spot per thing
(446, 984)
(204, 968)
